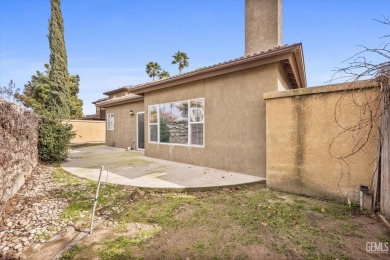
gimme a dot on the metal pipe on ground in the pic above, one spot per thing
(95, 200)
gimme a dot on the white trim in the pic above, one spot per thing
(110, 122)
(137, 133)
(190, 123)
(157, 124)
(185, 145)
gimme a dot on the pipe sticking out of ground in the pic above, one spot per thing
(363, 190)
(95, 200)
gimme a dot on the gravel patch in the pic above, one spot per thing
(33, 214)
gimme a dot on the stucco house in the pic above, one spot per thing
(214, 116)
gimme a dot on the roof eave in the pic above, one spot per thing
(100, 100)
(300, 67)
(115, 91)
(241, 64)
(119, 102)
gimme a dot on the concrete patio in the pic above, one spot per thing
(135, 169)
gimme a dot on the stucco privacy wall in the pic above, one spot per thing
(124, 132)
(300, 128)
(19, 147)
(234, 136)
(88, 131)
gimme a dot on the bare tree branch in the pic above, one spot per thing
(367, 74)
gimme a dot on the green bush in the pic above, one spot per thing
(164, 131)
(53, 139)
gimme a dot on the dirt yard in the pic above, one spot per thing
(244, 223)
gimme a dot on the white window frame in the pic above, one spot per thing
(188, 120)
(192, 123)
(157, 124)
(110, 122)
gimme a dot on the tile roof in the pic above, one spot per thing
(288, 48)
(217, 65)
(99, 100)
(124, 88)
(118, 100)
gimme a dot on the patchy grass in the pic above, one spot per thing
(199, 247)
(71, 253)
(242, 223)
(121, 247)
(162, 215)
(81, 192)
(43, 235)
(116, 249)
(337, 212)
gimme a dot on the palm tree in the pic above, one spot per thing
(163, 74)
(180, 58)
(153, 69)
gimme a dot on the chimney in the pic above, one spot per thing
(263, 25)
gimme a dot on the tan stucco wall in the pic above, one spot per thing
(88, 131)
(300, 128)
(124, 125)
(118, 94)
(234, 120)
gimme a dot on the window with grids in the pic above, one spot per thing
(153, 123)
(196, 115)
(110, 121)
(180, 123)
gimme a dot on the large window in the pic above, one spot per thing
(153, 123)
(177, 123)
(196, 121)
(110, 121)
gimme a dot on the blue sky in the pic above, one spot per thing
(109, 42)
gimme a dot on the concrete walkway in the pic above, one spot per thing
(135, 169)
